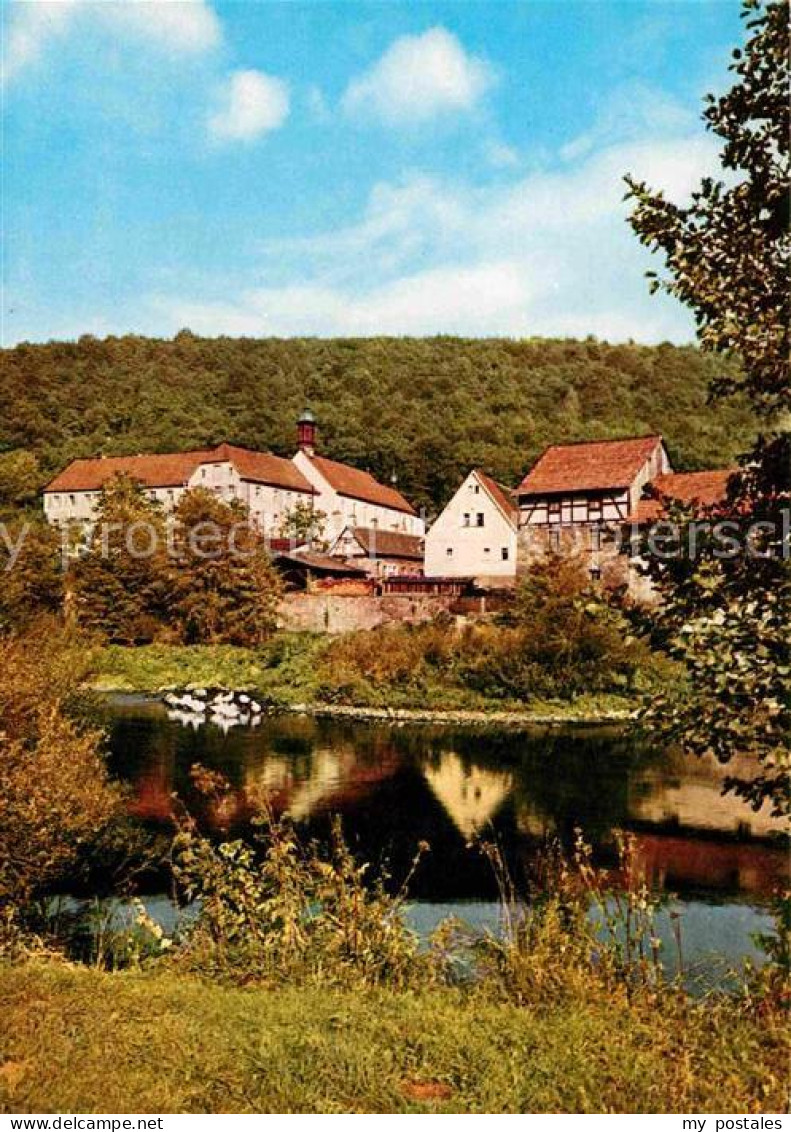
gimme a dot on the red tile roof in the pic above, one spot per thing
(264, 467)
(174, 469)
(389, 544)
(357, 484)
(706, 488)
(588, 466)
(501, 495)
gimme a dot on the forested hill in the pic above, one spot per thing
(427, 409)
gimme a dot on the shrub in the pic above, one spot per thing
(280, 910)
(55, 794)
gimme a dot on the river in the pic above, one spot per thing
(716, 860)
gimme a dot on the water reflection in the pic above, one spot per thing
(395, 786)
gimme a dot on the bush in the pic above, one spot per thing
(560, 638)
(56, 798)
(277, 909)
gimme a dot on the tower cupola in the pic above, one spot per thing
(306, 432)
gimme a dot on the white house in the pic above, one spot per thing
(476, 534)
(350, 497)
(270, 486)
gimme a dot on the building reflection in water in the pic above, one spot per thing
(396, 786)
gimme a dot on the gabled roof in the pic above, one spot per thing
(265, 467)
(501, 495)
(174, 469)
(588, 466)
(388, 544)
(357, 484)
(705, 488)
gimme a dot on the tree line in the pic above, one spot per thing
(424, 409)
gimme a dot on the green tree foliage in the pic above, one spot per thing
(304, 523)
(21, 480)
(727, 257)
(427, 409)
(223, 587)
(55, 795)
(119, 584)
(562, 637)
(31, 574)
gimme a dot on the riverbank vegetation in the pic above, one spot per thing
(560, 645)
(56, 798)
(301, 958)
(299, 987)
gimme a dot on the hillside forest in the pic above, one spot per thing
(425, 410)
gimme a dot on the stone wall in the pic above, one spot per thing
(342, 613)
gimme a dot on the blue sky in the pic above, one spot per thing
(347, 167)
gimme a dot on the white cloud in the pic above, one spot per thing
(545, 253)
(252, 104)
(631, 111)
(170, 26)
(484, 298)
(30, 28)
(188, 26)
(418, 78)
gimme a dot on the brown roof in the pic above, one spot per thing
(388, 544)
(501, 495)
(264, 467)
(361, 485)
(174, 469)
(588, 466)
(706, 488)
(320, 563)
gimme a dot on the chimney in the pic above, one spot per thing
(306, 432)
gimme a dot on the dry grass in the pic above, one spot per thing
(76, 1040)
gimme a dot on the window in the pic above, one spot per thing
(505, 554)
(466, 520)
(203, 473)
(487, 550)
(594, 510)
(595, 573)
(554, 512)
(479, 518)
(449, 552)
(477, 489)
(72, 500)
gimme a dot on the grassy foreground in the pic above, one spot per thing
(290, 671)
(79, 1040)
